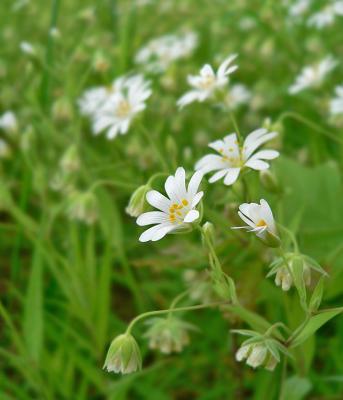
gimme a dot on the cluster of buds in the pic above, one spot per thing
(123, 355)
(168, 335)
(260, 350)
(283, 269)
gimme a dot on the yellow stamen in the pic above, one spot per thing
(261, 222)
(184, 202)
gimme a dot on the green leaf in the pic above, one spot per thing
(33, 314)
(254, 320)
(298, 277)
(317, 295)
(296, 388)
(314, 324)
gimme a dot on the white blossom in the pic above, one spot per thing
(8, 122)
(326, 16)
(208, 82)
(313, 76)
(237, 95)
(336, 104)
(159, 53)
(177, 210)
(233, 158)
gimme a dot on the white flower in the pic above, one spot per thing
(92, 99)
(326, 16)
(257, 355)
(313, 75)
(336, 104)
(8, 122)
(117, 111)
(299, 8)
(27, 48)
(123, 355)
(233, 158)
(159, 53)
(259, 219)
(177, 210)
(242, 352)
(237, 95)
(207, 82)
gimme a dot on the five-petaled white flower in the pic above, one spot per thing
(207, 82)
(117, 112)
(233, 157)
(177, 211)
(336, 104)
(259, 219)
(312, 76)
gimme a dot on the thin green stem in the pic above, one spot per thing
(153, 144)
(179, 309)
(283, 379)
(297, 332)
(310, 124)
(291, 235)
(235, 125)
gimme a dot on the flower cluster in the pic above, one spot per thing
(112, 109)
(159, 53)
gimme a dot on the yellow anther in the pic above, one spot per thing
(261, 222)
(184, 202)
(178, 213)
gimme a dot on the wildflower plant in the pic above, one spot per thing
(130, 247)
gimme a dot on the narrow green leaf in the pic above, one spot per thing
(314, 324)
(296, 388)
(317, 295)
(298, 277)
(254, 320)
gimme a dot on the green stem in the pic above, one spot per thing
(277, 325)
(297, 332)
(49, 53)
(235, 125)
(283, 379)
(179, 309)
(291, 235)
(310, 124)
(153, 144)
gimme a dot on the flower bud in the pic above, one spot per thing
(283, 278)
(137, 202)
(83, 207)
(27, 139)
(257, 355)
(123, 355)
(5, 150)
(70, 161)
(62, 110)
(169, 335)
(8, 122)
(208, 232)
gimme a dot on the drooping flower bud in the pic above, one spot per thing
(137, 203)
(208, 232)
(70, 161)
(123, 355)
(169, 335)
(257, 355)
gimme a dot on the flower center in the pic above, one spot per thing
(177, 211)
(123, 109)
(261, 223)
(207, 81)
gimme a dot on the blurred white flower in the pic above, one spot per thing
(299, 7)
(207, 82)
(83, 206)
(336, 104)
(27, 48)
(313, 76)
(238, 94)
(92, 99)
(8, 122)
(233, 157)
(119, 109)
(159, 53)
(177, 210)
(326, 16)
(259, 219)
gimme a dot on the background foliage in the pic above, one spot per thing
(68, 288)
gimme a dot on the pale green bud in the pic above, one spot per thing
(137, 203)
(123, 355)
(62, 110)
(70, 161)
(27, 139)
(208, 232)
(168, 335)
(83, 206)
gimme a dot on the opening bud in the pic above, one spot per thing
(137, 204)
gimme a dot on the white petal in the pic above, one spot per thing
(194, 183)
(149, 233)
(191, 216)
(259, 165)
(265, 155)
(162, 232)
(231, 176)
(151, 217)
(196, 199)
(218, 175)
(180, 177)
(157, 200)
